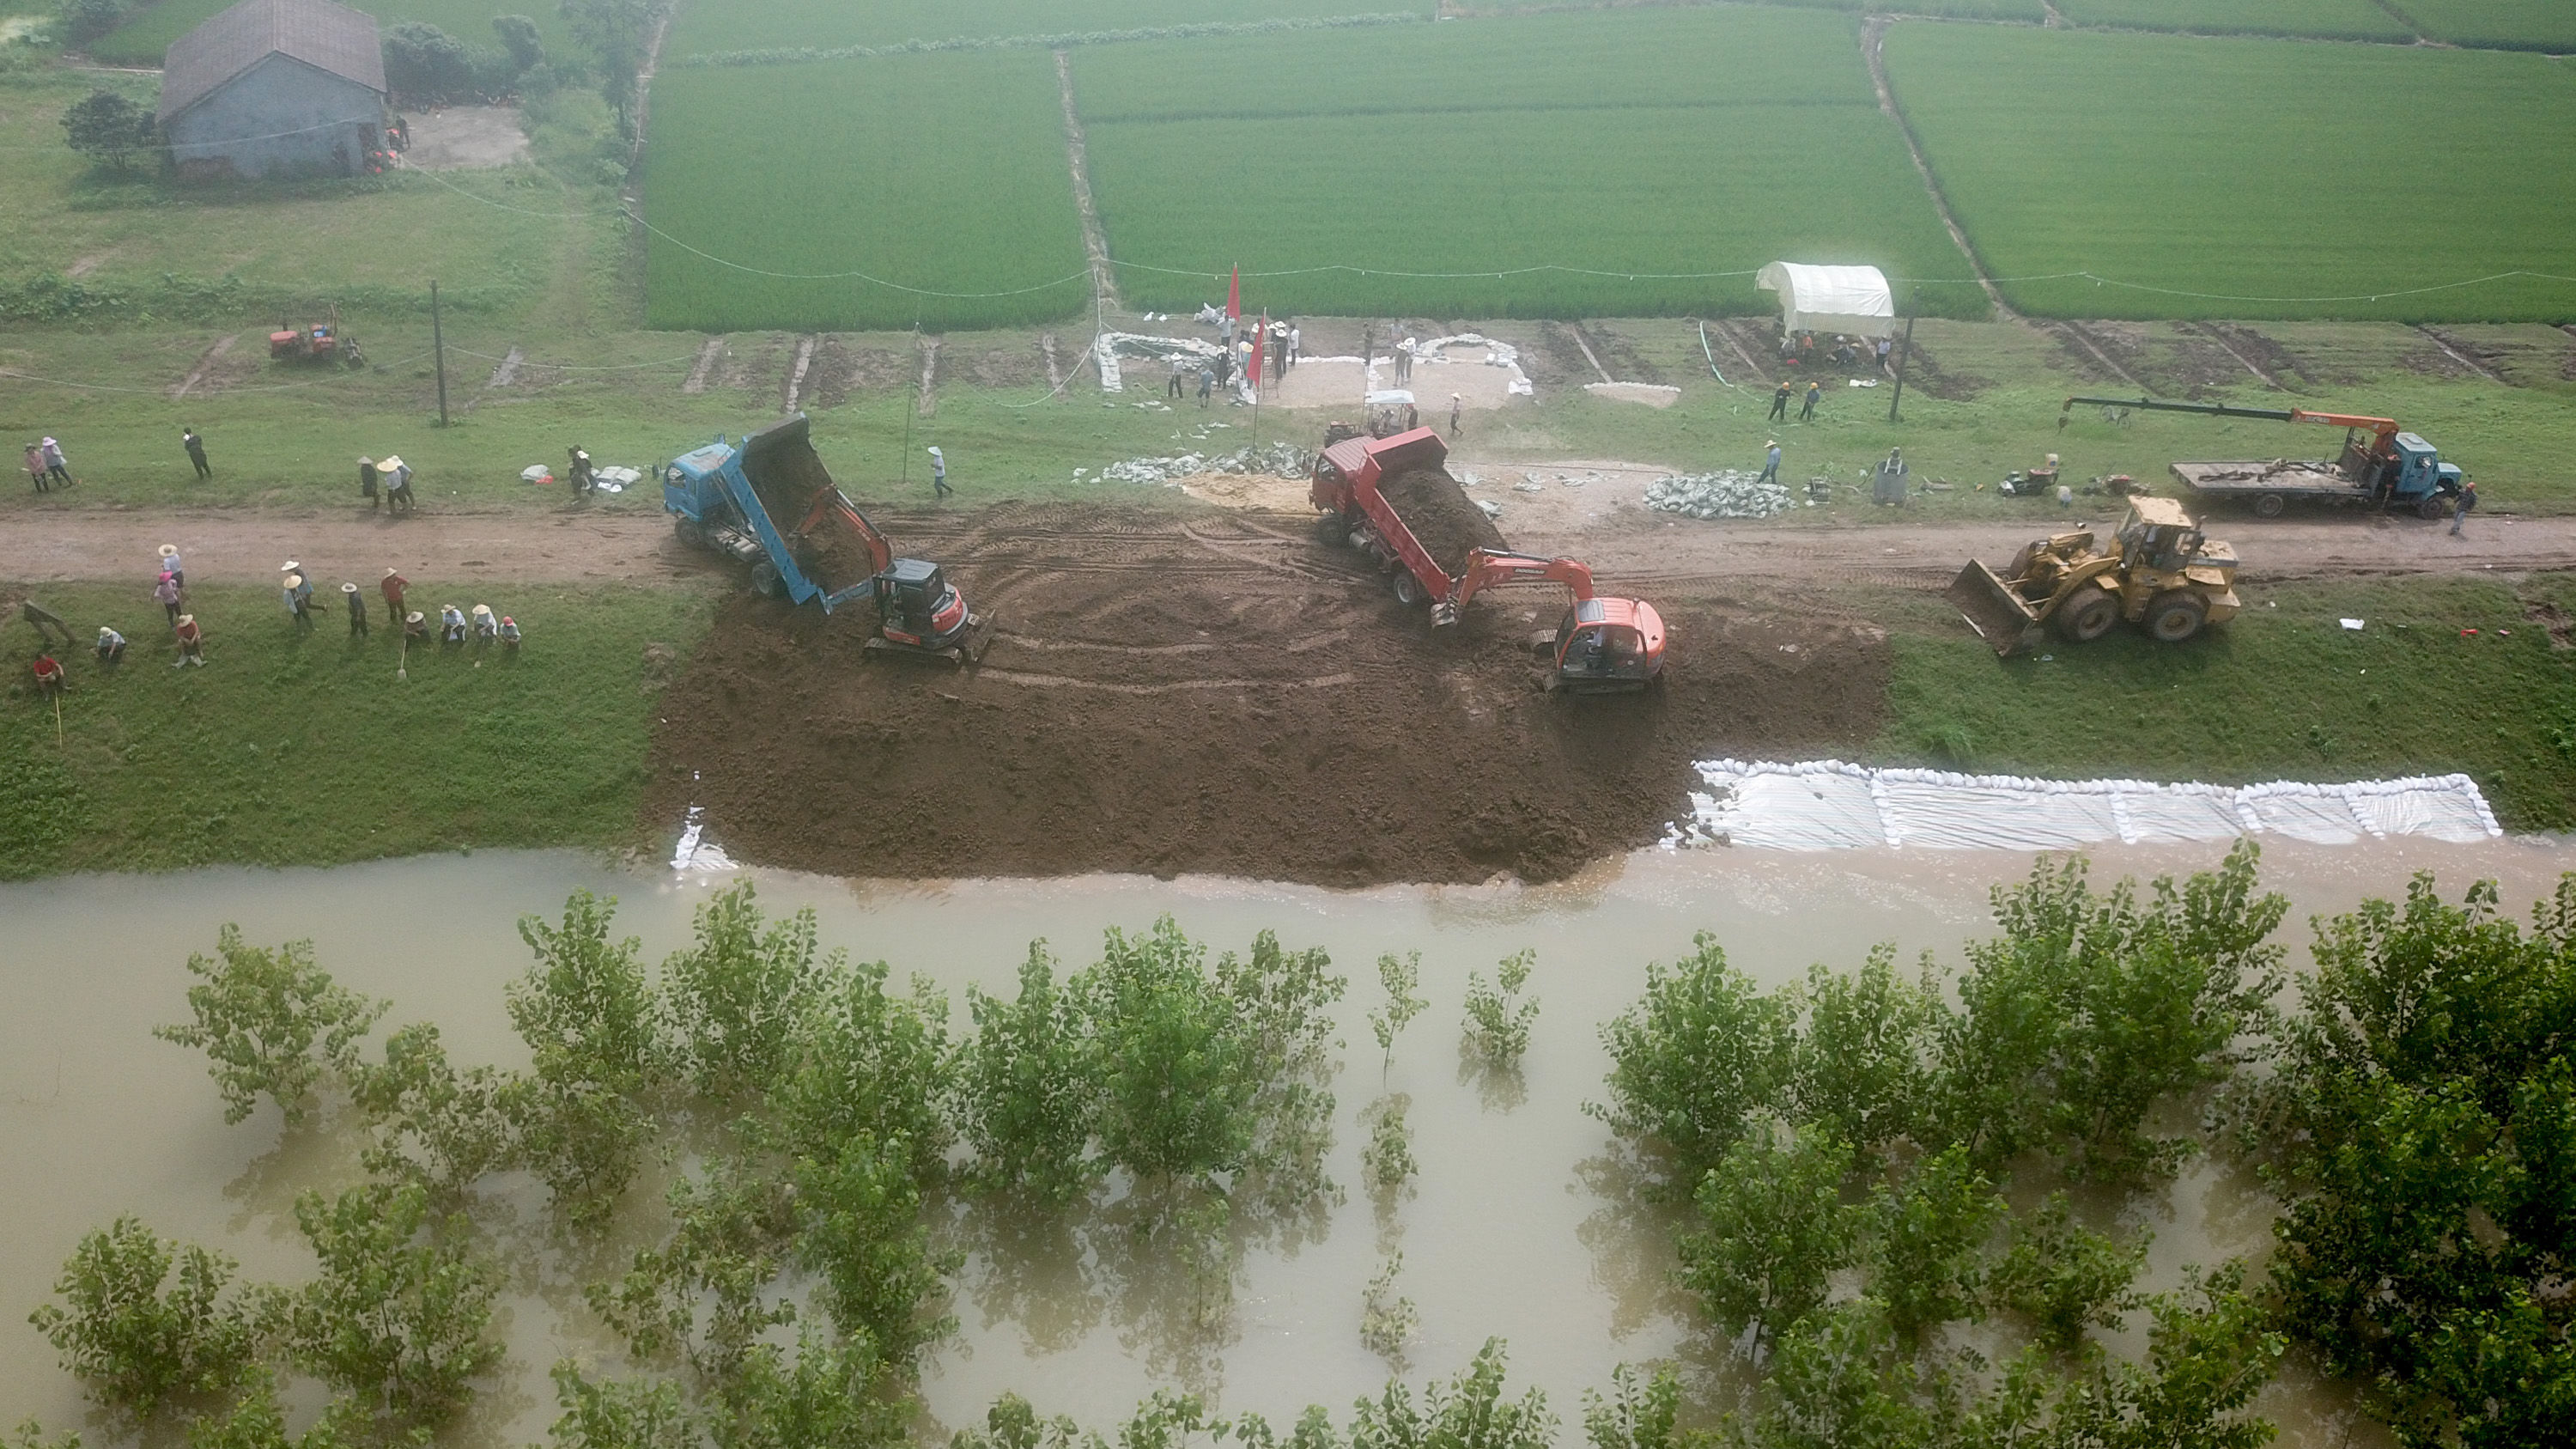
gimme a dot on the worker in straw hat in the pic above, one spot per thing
(393, 586)
(415, 625)
(357, 606)
(111, 645)
(451, 625)
(486, 628)
(1770, 461)
(939, 474)
(299, 602)
(192, 642)
(170, 564)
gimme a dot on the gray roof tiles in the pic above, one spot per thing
(329, 37)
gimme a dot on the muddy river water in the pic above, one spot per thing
(1510, 1233)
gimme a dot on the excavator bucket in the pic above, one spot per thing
(2001, 617)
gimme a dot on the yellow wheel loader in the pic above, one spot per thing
(2162, 575)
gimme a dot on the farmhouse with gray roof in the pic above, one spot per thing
(270, 87)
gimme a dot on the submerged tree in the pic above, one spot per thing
(273, 1022)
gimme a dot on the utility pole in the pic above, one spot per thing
(438, 344)
(1902, 351)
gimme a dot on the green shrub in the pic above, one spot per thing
(399, 1313)
(273, 1022)
(138, 1347)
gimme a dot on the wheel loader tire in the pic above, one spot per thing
(2087, 615)
(2433, 507)
(766, 582)
(2269, 505)
(2176, 615)
(1408, 589)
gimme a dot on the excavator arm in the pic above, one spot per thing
(833, 502)
(1486, 569)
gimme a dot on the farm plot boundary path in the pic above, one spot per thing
(1648, 549)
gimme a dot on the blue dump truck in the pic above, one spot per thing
(769, 502)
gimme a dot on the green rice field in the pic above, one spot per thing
(1680, 141)
(705, 26)
(141, 40)
(2230, 178)
(940, 172)
(2329, 19)
(2548, 25)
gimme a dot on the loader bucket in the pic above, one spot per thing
(2000, 616)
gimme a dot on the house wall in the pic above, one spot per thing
(279, 117)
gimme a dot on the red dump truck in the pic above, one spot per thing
(1601, 645)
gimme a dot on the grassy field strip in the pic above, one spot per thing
(2030, 10)
(1766, 57)
(714, 25)
(2548, 25)
(310, 752)
(2282, 692)
(141, 40)
(160, 247)
(2246, 168)
(1704, 158)
(2330, 19)
(941, 172)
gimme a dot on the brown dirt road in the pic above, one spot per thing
(1630, 545)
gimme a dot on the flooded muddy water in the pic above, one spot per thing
(1510, 1233)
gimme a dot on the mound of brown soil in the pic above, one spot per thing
(1216, 695)
(1442, 517)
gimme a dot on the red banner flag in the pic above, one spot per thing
(1260, 345)
(1234, 295)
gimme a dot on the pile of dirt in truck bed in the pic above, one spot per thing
(1218, 695)
(1443, 518)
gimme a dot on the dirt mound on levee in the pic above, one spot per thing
(1216, 696)
(1443, 518)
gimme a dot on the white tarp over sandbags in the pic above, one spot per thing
(1853, 300)
(1829, 805)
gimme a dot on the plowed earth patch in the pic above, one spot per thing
(1221, 695)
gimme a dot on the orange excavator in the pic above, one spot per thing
(918, 611)
(1600, 646)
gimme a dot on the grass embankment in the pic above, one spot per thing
(2221, 171)
(822, 182)
(1647, 150)
(309, 751)
(2281, 692)
(142, 39)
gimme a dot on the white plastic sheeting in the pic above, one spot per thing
(1435, 353)
(1829, 805)
(1855, 300)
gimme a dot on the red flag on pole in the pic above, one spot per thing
(1234, 295)
(1260, 345)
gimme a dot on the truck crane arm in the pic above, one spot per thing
(2384, 429)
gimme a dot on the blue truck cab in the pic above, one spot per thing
(714, 504)
(2418, 472)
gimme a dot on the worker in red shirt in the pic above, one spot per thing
(393, 587)
(49, 674)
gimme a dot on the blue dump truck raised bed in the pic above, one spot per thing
(769, 502)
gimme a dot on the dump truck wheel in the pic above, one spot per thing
(766, 582)
(2270, 505)
(2432, 506)
(690, 532)
(2175, 616)
(2087, 615)
(1408, 589)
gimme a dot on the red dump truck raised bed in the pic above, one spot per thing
(1601, 645)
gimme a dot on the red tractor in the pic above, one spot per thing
(321, 342)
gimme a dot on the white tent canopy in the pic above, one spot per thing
(1853, 300)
